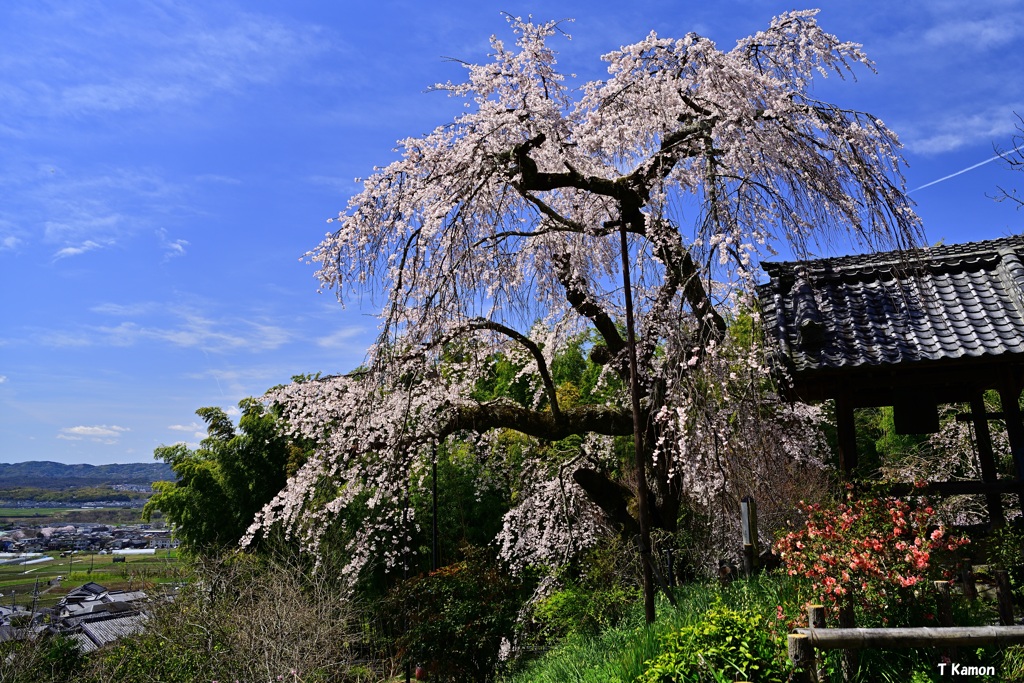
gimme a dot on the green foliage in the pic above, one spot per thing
(51, 659)
(1004, 549)
(457, 616)
(244, 618)
(597, 592)
(579, 611)
(222, 484)
(77, 494)
(468, 515)
(726, 643)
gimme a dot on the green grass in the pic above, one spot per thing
(136, 572)
(619, 654)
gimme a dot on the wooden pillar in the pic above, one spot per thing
(985, 456)
(847, 432)
(1009, 396)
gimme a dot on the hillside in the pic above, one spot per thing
(55, 475)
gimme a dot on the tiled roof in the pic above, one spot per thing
(948, 302)
(108, 630)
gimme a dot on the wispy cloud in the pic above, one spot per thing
(343, 338)
(171, 248)
(954, 130)
(178, 326)
(126, 310)
(105, 434)
(3, 379)
(105, 59)
(82, 248)
(977, 34)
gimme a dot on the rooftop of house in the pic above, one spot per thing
(957, 306)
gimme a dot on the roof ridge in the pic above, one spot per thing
(945, 254)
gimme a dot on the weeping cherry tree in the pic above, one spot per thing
(499, 235)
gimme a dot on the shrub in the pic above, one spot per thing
(580, 611)
(723, 644)
(869, 553)
(457, 616)
(242, 619)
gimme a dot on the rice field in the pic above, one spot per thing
(37, 582)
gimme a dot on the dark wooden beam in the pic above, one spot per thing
(986, 457)
(847, 433)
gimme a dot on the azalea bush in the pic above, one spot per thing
(873, 554)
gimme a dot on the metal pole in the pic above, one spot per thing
(638, 443)
(433, 534)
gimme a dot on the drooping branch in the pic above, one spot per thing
(578, 297)
(535, 351)
(506, 414)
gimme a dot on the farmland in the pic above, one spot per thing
(19, 583)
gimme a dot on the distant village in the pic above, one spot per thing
(90, 614)
(85, 537)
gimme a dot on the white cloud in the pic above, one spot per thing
(104, 59)
(9, 242)
(196, 430)
(170, 247)
(126, 310)
(180, 326)
(955, 130)
(105, 434)
(343, 338)
(978, 34)
(3, 379)
(82, 248)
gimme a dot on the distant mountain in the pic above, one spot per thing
(55, 475)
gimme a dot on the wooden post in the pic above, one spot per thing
(1004, 597)
(801, 653)
(816, 616)
(985, 457)
(748, 524)
(944, 604)
(847, 433)
(850, 658)
(967, 577)
(816, 619)
(640, 461)
(1009, 396)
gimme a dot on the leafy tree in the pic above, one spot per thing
(522, 210)
(227, 480)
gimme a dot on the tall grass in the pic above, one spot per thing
(620, 654)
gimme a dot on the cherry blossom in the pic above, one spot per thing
(496, 234)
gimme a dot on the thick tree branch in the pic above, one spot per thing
(538, 356)
(506, 414)
(578, 297)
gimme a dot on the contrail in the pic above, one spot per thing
(965, 170)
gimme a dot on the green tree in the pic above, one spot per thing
(223, 483)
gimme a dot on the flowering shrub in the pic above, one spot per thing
(873, 552)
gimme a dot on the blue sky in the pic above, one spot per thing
(166, 164)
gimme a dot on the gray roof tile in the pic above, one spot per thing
(946, 302)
